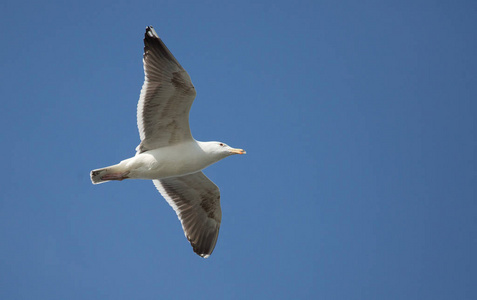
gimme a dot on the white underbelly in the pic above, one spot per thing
(165, 162)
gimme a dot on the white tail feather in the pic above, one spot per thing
(97, 174)
(115, 172)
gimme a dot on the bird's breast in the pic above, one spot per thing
(166, 162)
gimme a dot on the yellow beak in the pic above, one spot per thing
(237, 151)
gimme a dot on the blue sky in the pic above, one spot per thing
(359, 121)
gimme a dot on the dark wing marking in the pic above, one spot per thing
(196, 201)
(166, 97)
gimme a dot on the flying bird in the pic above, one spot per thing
(168, 154)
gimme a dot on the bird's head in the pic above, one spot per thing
(222, 149)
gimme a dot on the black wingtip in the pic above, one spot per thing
(204, 245)
(150, 32)
(202, 254)
(200, 249)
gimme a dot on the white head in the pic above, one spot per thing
(219, 149)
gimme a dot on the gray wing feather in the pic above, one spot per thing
(166, 97)
(196, 201)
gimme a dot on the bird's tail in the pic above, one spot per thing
(108, 174)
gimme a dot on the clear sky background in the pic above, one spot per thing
(359, 121)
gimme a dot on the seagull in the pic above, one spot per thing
(168, 154)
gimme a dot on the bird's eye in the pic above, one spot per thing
(221, 144)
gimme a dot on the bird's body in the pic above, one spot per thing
(171, 161)
(168, 154)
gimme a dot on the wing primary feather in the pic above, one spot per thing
(166, 97)
(200, 222)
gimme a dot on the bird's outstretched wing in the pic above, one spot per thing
(196, 201)
(166, 97)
